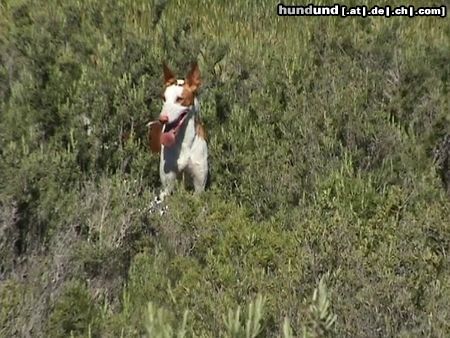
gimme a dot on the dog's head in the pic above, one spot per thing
(179, 101)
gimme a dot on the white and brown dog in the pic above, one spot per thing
(179, 136)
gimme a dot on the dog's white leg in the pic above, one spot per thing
(168, 181)
(168, 176)
(198, 164)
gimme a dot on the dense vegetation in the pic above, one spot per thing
(328, 212)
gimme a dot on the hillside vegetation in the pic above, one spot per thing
(328, 212)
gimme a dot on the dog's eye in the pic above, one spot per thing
(179, 99)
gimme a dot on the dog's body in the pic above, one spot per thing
(181, 141)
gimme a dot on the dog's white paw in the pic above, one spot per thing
(157, 206)
(163, 210)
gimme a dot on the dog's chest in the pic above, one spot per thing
(185, 155)
(177, 158)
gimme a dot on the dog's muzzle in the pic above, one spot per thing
(163, 119)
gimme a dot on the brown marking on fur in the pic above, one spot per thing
(169, 76)
(187, 97)
(191, 85)
(193, 80)
(170, 82)
(200, 130)
(154, 137)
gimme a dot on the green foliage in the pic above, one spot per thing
(328, 143)
(156, 324)
(74, 313)
(11, 295)
(320, 318)
(252, 326)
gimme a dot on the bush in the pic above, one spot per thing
(74, 313)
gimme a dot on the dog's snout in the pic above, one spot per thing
(163, 119)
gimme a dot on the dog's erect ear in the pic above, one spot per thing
(193, 80)
(169, 76)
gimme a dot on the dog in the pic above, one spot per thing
(179, 135)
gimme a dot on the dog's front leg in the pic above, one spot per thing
(168, 181)
(198, 165)
(167, 174)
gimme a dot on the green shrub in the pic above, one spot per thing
(74, 313)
